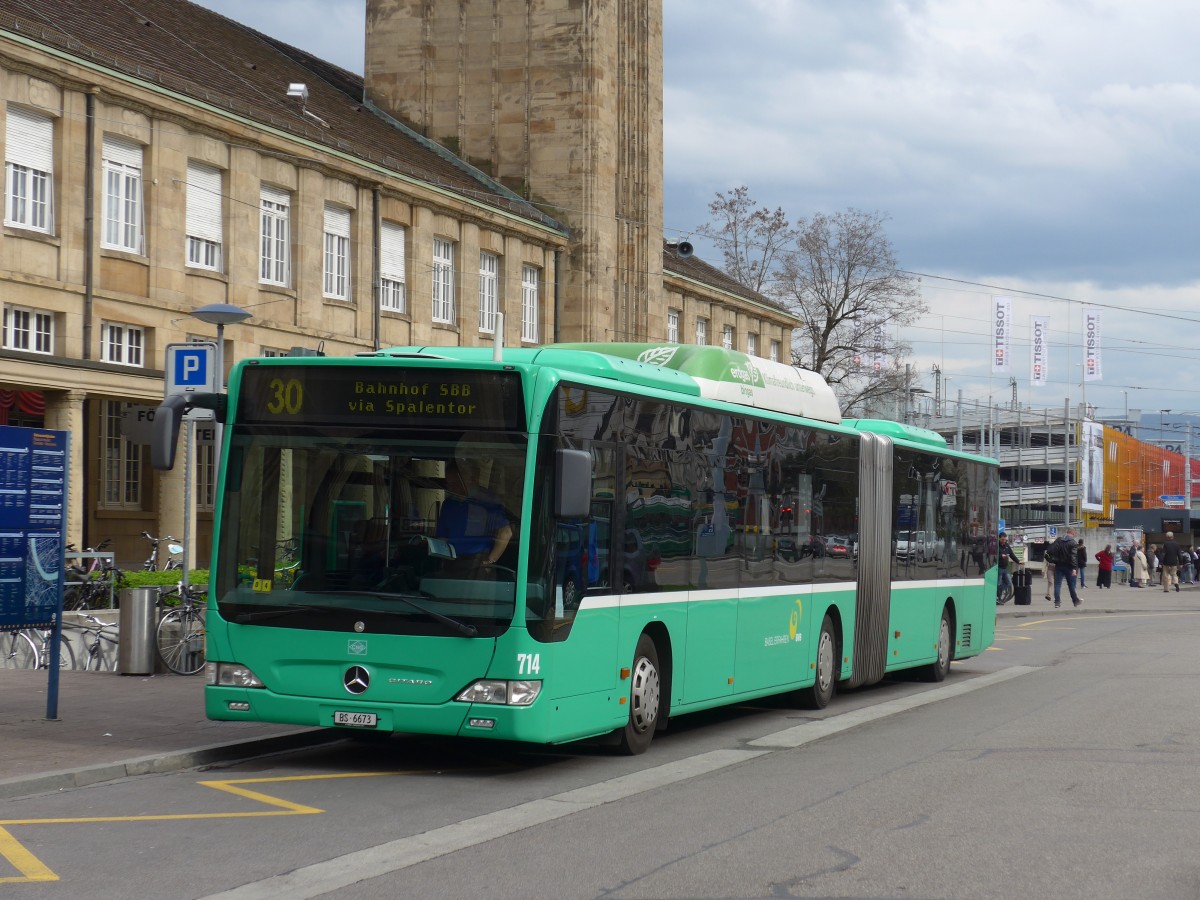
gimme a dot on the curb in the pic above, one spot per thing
(163, 763)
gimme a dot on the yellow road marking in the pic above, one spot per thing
(33, 869)
(30, 867)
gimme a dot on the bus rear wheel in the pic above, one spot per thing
(937, 670)
(645, 699)
(825, 686)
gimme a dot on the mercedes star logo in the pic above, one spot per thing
(357, 679)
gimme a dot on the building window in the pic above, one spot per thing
(122, 165)
(206, 472)
(203, 217)
(337, 253)
(274, 253)
(121, 469)
(271, 352)
(391, 268)
(30, 330)
(702, 331)
(530, 277)
(727, 337)
(752, 344)
(672, 326)
(774, 351)
(122, 344)
(489, 266)
(28, 170)
(443, 281)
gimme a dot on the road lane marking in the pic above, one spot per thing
(32, 869)
(373, 862)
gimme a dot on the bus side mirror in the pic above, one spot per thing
(166, 432)
(167, 419)
(572, 484)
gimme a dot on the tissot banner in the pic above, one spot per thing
(1039, 333)
(1091, 345)
(1001, 334)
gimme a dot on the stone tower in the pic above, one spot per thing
(561, 101)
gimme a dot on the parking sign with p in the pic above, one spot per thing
(191, 368)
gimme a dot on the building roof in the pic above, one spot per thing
(178, 46)
(695, 269)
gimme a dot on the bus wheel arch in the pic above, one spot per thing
(648, 692)
(937, 670)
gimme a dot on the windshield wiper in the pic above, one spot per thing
(461, 627)
(279, 613)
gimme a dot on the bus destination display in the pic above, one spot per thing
(377, 395)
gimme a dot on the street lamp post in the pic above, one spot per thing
(220, 314)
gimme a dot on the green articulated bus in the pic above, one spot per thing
(573, 541)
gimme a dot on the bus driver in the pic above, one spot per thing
(473, 520)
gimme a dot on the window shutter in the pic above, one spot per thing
(276, 196)
(29, 140)
(337, 221)
(127, 153)
(204, 202)
(391, 252)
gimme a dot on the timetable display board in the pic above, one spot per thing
(34, 464)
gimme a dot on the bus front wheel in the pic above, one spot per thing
(825, 685)
(645, 699)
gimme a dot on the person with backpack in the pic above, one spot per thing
(1063, 554)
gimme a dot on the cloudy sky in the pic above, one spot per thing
(1046, 150)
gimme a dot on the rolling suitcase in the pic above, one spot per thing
(1022, 587)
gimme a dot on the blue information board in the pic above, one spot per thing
(33, 518)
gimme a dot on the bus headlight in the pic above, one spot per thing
(230, 675)
(501, 692)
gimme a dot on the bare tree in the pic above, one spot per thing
(750, 237)
(839, 274)
(842, 278)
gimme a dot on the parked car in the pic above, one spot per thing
(838, 546)
(912, 545)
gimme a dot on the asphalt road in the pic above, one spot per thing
(1061, 763)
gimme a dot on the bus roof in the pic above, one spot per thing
(733, 377)
(709, 372)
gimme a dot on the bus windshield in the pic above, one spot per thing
(395, 531)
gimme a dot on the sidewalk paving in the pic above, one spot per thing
(110, 726)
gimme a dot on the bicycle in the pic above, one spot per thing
(92, 583)
(97, 657)
(17, 651)
(180, 634)
(174, 561)
(39, 638)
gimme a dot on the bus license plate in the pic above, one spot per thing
(356, 719)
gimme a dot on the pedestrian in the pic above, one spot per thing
(1151, 564)
(1048, 568)
(1104, 567)
(1004, 585)
(1140, 567)
(1185, 570)
(1172, 558)
(1081, 560)
(1063, 554)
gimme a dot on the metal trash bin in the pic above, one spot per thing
(135, 647)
